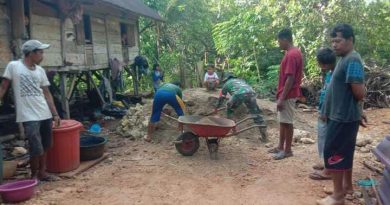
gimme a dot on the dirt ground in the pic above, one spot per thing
(155, 173)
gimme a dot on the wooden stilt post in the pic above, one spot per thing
(64, 99)
(16, 8)
(97, 88)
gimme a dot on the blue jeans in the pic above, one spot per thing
(321, 130)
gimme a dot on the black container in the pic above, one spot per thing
(91, 147)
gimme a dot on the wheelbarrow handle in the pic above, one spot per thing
(213, 112)
(245, 119)
(167, 116)
(243, 130)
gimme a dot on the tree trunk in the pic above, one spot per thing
(182, 71)
(257, 63)
(158, 41)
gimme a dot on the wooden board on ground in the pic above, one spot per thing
(84, 166)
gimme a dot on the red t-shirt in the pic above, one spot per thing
(292, 64)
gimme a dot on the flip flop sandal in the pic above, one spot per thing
(274, 150)
(49, 178)
(282, 154)
(329, 200)
(319, 176)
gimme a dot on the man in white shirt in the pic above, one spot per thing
(211, 80)
(35, 107)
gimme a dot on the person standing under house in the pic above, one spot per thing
(211, 80)
(168, 93)
(343, 111)
(326, 59)
(157, 76)
(241, 92)
(34, 104)
(290, 78)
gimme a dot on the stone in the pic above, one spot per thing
(364, 150)
(363, 140)
(303, 106)
(19, 151)
(268, 145)
(298, 134)
(357, 194)
(328, 191)
(134, 123)
(307, 140)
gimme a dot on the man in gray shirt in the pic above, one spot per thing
(343, 112)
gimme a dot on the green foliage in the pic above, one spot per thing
(267, 87)
(244, 33)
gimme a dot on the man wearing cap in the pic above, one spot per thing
(35, 108)
(241, 92)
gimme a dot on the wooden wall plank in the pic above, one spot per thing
(52, 59)
(45, 20)
(100, 58)
(5, 39)
(99, 38)
(100, 48)
(118, 56)
(116, 48)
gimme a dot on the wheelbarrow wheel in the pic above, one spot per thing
(187, 144)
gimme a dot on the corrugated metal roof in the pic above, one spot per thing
(136, 6)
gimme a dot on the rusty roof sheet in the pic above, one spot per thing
(136, 6)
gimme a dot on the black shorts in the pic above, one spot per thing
(39, 135)
(340, 145)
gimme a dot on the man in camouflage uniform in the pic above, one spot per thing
(241, 92)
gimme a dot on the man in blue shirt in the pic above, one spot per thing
(343, 112)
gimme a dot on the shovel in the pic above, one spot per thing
(214, 112)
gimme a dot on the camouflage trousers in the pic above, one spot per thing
(249, 99)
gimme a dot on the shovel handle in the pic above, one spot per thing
(245, 129)
(219, 109)
(167, 116)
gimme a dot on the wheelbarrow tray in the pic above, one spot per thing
(208, 126)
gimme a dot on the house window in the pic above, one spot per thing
(131, 32)
(80, 33)
(128, 34)
(87, 29)
(124, 35)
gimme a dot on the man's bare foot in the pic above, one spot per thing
(348, 192)
(147, 138)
